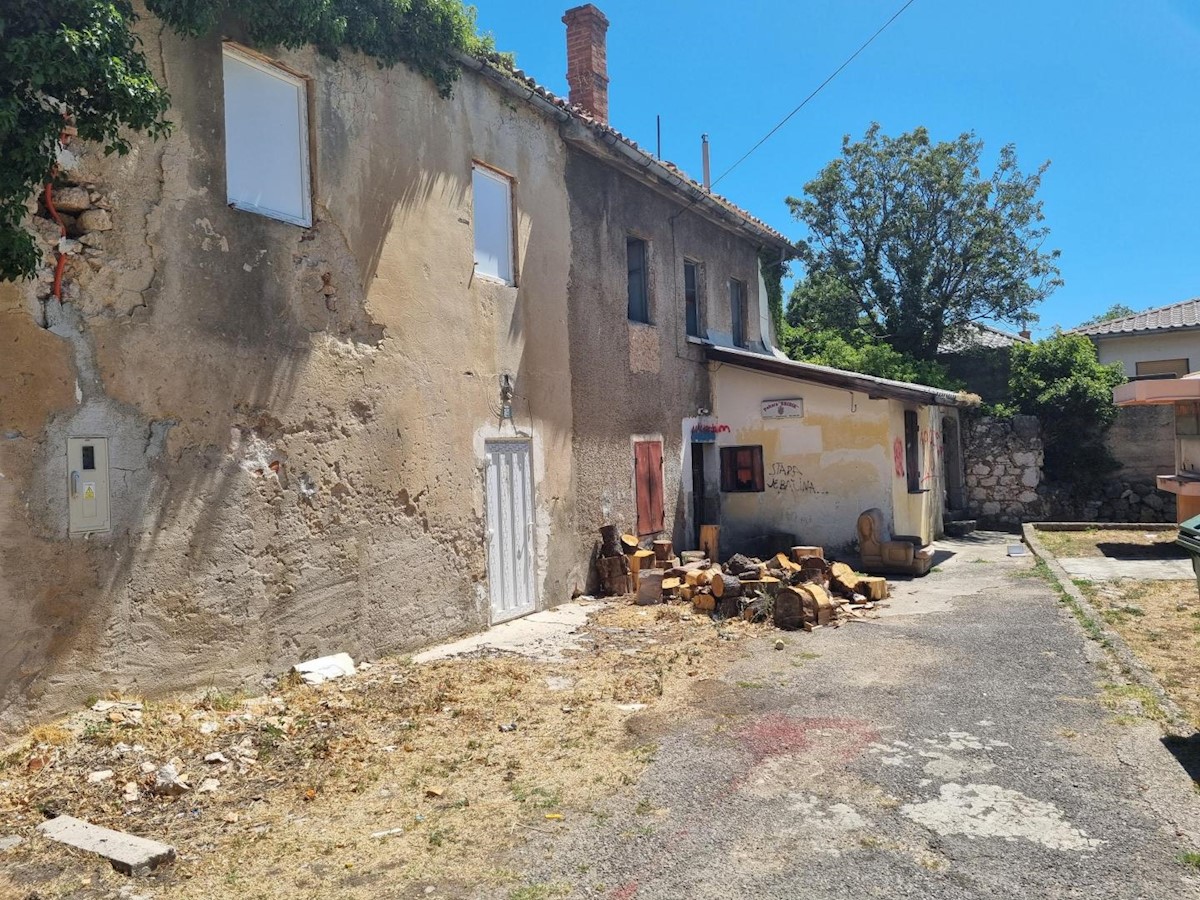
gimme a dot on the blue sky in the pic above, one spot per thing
(1107, 90)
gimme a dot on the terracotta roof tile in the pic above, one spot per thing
(1178, 315)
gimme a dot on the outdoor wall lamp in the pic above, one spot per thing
(506, 396)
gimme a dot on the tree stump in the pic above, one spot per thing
(663, 550)
(789, 609)
(629, 543)
(804, 552)
(650, 587)
(726, 585)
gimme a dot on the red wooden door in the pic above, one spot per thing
(648, 476)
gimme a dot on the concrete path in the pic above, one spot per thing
(964, 752)
(543, 635)
(1103, 568)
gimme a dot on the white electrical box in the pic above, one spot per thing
(87, 484)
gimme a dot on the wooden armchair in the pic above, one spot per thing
(882, 552)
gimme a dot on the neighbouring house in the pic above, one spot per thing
(1155, 343)
(978, 355)
(1180, 399)
(343, 364)
(800, 450)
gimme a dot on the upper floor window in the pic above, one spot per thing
(691, 297)
(266, 139)
(493, 223)
(637, 258)
(1162, 368)
(737, 310)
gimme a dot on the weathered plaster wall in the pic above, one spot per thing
(821, 470)
(918, 513)
(1143, 441)
(296, 416)
(1131, 349)
(634, 379)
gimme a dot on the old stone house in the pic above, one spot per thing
(346, 365)
(311, 384)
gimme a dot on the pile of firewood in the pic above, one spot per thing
(797, 589)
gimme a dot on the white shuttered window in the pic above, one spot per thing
(266, 139)
(493, 223)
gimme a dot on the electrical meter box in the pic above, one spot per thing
(87, 485)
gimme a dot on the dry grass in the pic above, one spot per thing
(1095, 541)
(1160, 621)
(413, 748)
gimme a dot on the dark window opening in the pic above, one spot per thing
(912, 451)
(742, 469)
(89, 457)
(691, 298)
(639, 296)
(737, 310)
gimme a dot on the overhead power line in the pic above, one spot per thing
(817, 90)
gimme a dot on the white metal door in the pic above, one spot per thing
(510, 529)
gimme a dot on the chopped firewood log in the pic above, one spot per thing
(788, 612)
(740, 565)
(694, 577)
(686, 592)
(769, 585)
(756, 610)
(818, 607)
(692, 556)
(662, 549)
(650, 587)
(842, 580)
(615, 577)
(670, 584)
(875, 587)
(639, 562)
(710, 540)
(704, 602)
(803, 552)
(610, 543)
(629, 543)
(726, 585)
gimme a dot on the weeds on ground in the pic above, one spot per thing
(1190, 858)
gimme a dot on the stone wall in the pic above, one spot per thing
(1005, 483)
(1004, 470)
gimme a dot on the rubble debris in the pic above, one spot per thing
(100, 775)
(10, 841)
(167, 781)
(129, 854)
(325, 668)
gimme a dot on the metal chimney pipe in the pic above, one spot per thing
(704, 153)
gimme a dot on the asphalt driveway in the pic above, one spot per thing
(969, 744)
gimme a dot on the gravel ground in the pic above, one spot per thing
(970, 750)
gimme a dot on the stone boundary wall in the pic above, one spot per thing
(1006, 486)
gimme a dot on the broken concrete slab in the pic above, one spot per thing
(325, 668)
(1104, 568)
(9, 841)
(128, 853)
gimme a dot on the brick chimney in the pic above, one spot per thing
(587, 59)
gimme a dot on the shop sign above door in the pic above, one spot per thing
(783, 409)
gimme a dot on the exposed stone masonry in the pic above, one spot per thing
(1005, 483)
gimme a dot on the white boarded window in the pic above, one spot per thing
(493, 223)
(266, 139)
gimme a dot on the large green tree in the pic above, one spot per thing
(1062, 382)
(908, 240)
(78, 63)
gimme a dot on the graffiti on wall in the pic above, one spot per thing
(789, 479)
